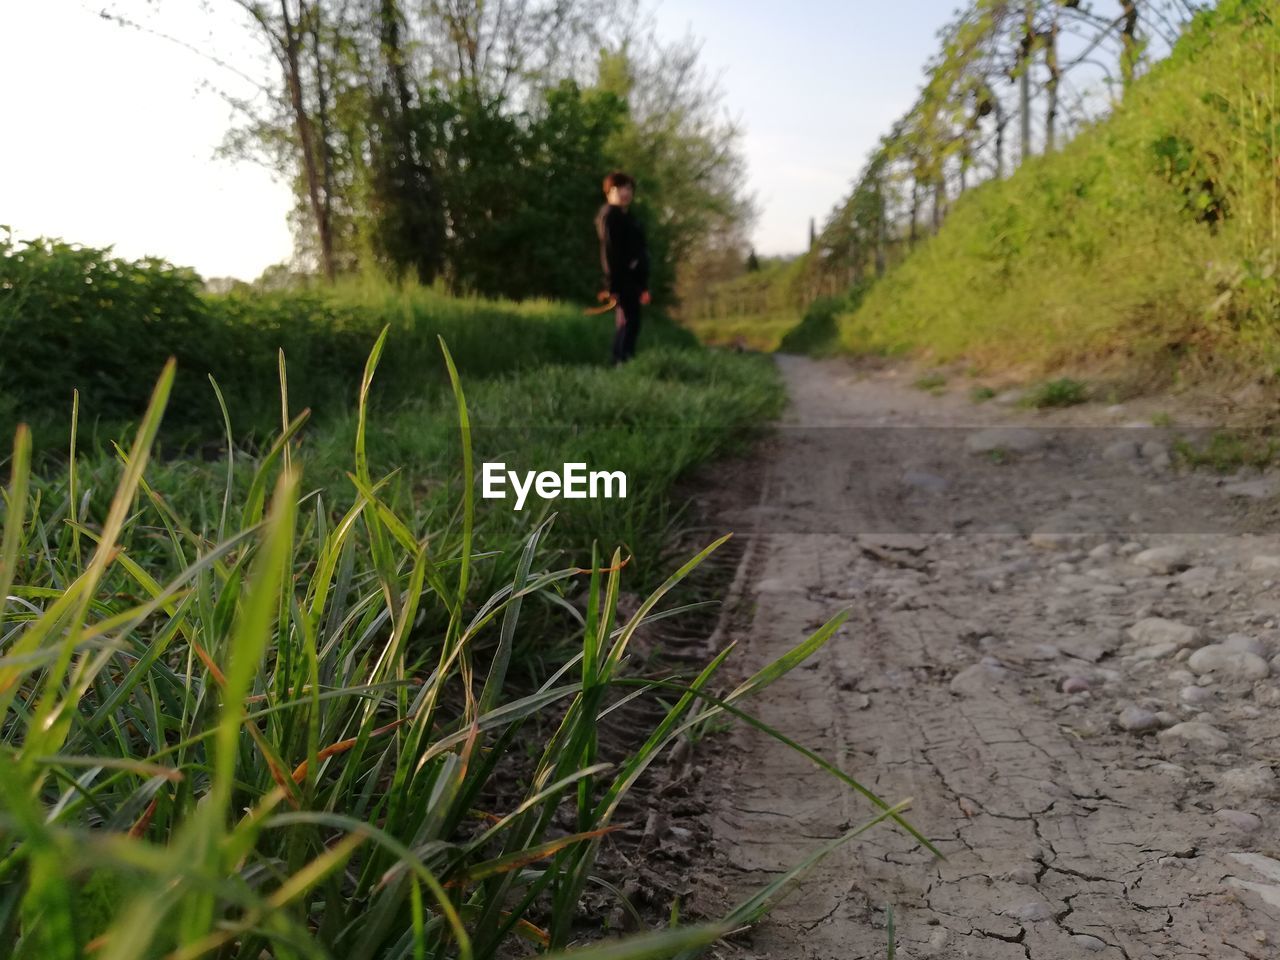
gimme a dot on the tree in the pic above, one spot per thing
(682, 149)
(520, 191)
(465, 139)
(1050, 41)
(1026, 50)
(406, 210)
(287, 29)
(513, 51)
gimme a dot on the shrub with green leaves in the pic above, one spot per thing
(818, 334)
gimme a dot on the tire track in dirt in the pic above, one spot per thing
(1066, 835)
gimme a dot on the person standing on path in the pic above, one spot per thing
(624, 258)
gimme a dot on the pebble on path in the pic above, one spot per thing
(1223, 661)
(978, 680)
(1163, 559)
(1248, 783)
(1242, 821)
(1153, 630)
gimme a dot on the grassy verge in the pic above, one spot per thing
(265, 719)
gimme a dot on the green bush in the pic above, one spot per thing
(1229, 450)
(818, 332)
(935, 383)
(73, 316)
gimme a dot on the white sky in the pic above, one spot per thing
(111, 132)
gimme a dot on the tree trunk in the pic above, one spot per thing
(321, 131)
(1129, 41)
(389, 14)
(915, 212)
(882, 232)
(1024, 78)
(1051, 85)
(1001, 122)
(407, 175)
(291, 46)
(939, 199)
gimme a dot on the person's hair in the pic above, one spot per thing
(618, 179)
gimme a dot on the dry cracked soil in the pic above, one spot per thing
(1060, 647)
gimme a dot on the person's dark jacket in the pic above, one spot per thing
(624, 256)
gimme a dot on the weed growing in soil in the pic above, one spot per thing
(1063, 392)
(1229, 450)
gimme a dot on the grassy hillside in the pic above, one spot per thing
(1149, 242)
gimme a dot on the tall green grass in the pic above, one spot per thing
(74, 317)
(657, 419)
(1150, 240)
(277, 720)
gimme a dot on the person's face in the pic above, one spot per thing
(621, 196)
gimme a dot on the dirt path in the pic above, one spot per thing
(1133, 815)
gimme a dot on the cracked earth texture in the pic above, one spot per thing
(1074, 824)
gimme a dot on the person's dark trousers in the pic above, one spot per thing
(624, 340)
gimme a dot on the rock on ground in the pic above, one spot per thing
(1168, 559)
(1223, 661)
(1158, 630)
